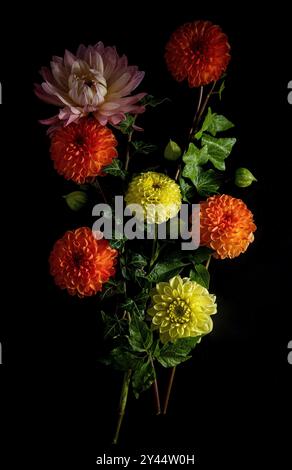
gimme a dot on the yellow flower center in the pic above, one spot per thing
(179, 311)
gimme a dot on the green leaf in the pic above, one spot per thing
(113, 326)
(165, 270)
(76, 200)
(187, 190)
(218, 149)
(201, 275)
(201, 254)
(214, 123)
(194, 156)
(143, 147)
(126, 126)
(141, 299)
(121, 359)
(149, 100)
(206, 124)
(117, 243)
(141, 337)
(115, 169)
(219, 123)
(112, 287)
(143, 377)
(207, 182)
(172, 354)
(221, 89)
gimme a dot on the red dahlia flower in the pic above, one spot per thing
(198, 52)
(81, 150)
(80, 263)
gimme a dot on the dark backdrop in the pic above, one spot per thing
(231, 403)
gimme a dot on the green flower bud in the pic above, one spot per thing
(172, 151)
(76, 200)
(243, 178)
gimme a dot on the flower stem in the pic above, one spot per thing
(154, 247)
(193, 126)
(123, 403)
(196, 114)
(156, 390)
(208, 262)
(130, 135)
(170, 383)
(204, 105)
(99, 188)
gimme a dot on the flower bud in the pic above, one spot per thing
(172, 151)
(76, 200)
(243, 178)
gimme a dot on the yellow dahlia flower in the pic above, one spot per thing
(158, 195)
(181, 308)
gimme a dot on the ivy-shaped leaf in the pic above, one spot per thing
(187, 190)
(149, 100)
(218, 149)
(141, 337)
(115, 169)
(174, 353)
(143, 147)
(126, 126)
(143, 377)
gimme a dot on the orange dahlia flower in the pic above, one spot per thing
(226, 225)
(80, 263)
(198, 52)
(81, 150)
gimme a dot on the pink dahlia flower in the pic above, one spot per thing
(95, 81)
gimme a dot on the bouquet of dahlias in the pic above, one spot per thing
(146, 256)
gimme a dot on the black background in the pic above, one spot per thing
(232, 402)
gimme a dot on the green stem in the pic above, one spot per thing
(154, 247)
(156, 390)
(99, 188)
(128, 155)
(169, 388)
(204, 106)
(208, 262)
(123, 403)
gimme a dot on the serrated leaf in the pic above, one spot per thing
(141, 337)
(201, 275)
(143, 147)
(165, 270)
(207, 182)
(187, 190)
(126, 126)
(112, 287)
(115, 169)
(143, 377)
(113, 326)
(149, 100)
(218, 149)
(121, 359)
(172, 354)
(201, 254)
